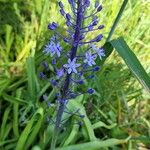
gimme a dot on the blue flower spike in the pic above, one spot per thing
(74, 65)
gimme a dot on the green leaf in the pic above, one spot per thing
(44, 14)
(7, 142)
(9, 38)
(33, 85)
(35, 129)
(4, 122)
(74, 105)
(16, 115)
(30, 132)
(132, 62)
(102, 124)
(95, 144)
(14, 100)
(117, 20)
(73, 134)
(108, 50)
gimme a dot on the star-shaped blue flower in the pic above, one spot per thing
(71, 66)
(89, 58)
(53, 48)
(100, 51)
(60, 73)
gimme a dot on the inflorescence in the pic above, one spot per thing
(80, 58)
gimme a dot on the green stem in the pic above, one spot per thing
(117, 20)
(57, 125)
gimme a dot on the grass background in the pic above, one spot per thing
(120, 106)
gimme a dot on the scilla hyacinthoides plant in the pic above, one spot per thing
(79, 59)
(77, 64)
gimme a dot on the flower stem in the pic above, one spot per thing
(65, 88)
(57, 125)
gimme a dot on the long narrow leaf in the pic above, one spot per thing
(29, 133)
(94, 145)
(132, 62)
(33, 85)
(117, 20)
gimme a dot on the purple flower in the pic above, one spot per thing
(71, 2)
(66, 40)
(90, 58)
(90, 27)
(99, 51)
(68, 16)
(90, 91)
(68, 23)
(53, 61)
(53, 82)
(99, 8)
(96, 68)
(99, 38)
(95, 21)
(53, 48)
(60, 4)
(53, 38)
(87, 3)
(52, 26)
(57, 49)
(91, 76)
(60, 73)
(71, 66)
(101, 27)
(81, 82)
(42, 75)
(62, 12)
(49, 48)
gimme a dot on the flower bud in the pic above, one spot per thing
(99, 8)
(60, 4)
(90, 91)
(52, 26)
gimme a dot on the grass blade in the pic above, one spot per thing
(16, 115)
(14, 100)
(117, 20)
(33, 86)
(29, 133)
(4, 122)
(94, 145)
(35, 129)
(132, 62)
